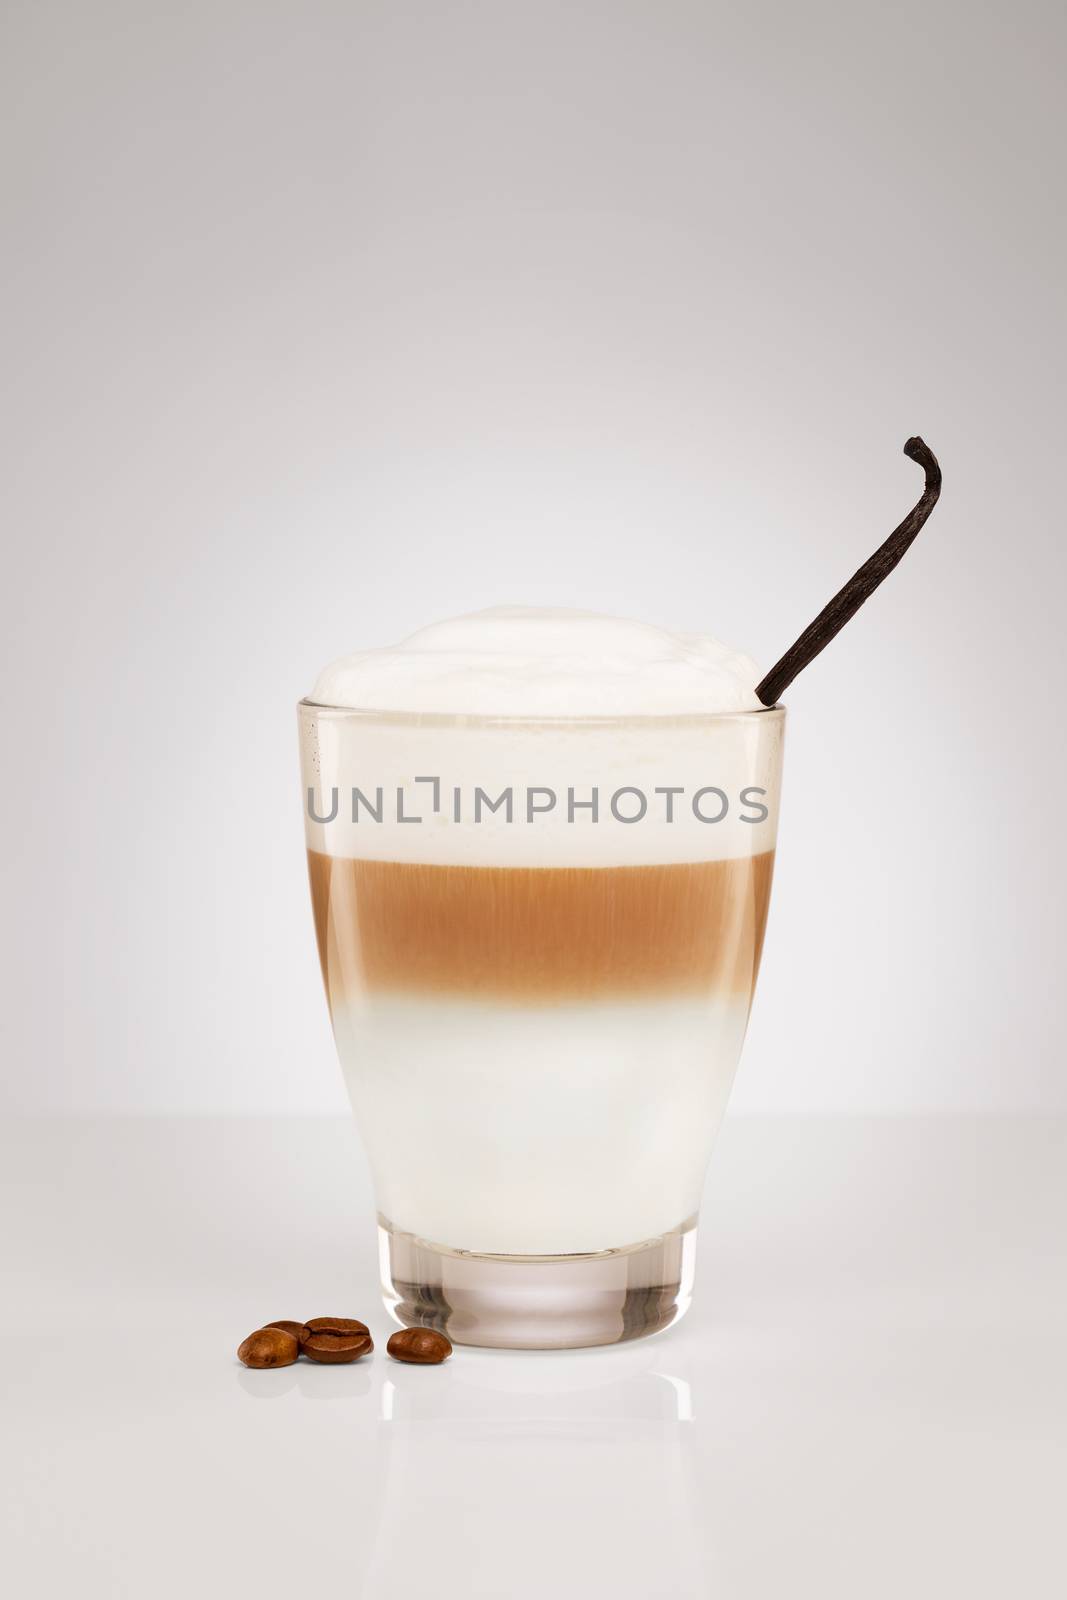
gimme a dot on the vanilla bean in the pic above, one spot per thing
(860, 586)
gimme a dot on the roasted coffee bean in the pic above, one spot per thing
(269, 1347)
(337, 1347)
(295, 1328)
(424, 1346)
(333, 1339)
(335, 1325)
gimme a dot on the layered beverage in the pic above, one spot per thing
(540, 847)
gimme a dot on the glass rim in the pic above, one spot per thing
(469, 719)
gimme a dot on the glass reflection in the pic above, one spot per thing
(555, 1473)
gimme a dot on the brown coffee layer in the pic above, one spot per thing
(539, 933)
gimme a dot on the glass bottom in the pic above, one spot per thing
(538, 1302)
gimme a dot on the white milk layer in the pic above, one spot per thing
(538, 1130)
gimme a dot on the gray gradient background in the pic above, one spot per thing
(324, 321)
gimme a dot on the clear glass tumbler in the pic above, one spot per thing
(539, 940)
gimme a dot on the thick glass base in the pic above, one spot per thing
(538, 1302)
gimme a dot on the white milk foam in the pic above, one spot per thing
(520, 661)
(564, 702)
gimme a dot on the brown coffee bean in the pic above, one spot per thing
(424, 1346)
(335, 1339)
(335, 1325)
(269, 1347)
(295, 1328)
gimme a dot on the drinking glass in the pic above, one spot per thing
(539, 940)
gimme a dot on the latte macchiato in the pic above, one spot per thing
(540, 848)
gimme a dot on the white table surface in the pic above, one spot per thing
(867, 1399)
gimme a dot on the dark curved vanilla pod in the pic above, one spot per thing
(269, 1347)
(860, 586)
(332, 1340)
(423, 1347)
